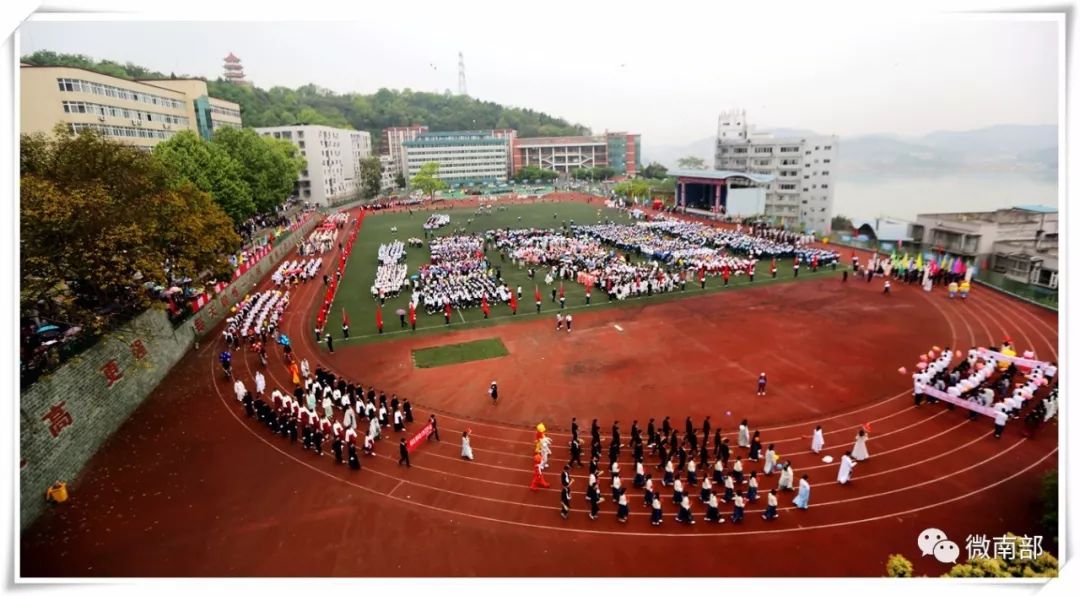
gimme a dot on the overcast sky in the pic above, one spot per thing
(639, 71)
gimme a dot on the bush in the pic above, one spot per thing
(899, 566)
(1050, 506)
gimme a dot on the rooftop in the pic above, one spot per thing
(721, 175)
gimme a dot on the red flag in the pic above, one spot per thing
(344, 317)
(773, 264)
(562, 291)
(378, 318)
(537, 293)
(513, 301)
(412, 313)
(483, 303)
(448, 309)
(701, 274)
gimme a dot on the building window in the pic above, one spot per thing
(824, 186)
(828, 147)
(825, 173)
(828, 161)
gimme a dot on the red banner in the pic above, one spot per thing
(419, 437)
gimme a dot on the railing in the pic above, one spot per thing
(1039, 295)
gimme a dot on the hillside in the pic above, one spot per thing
(310, 104)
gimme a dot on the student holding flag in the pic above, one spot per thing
(378, 320)
(538, 299)
(412, 315)
(513, 302)
(484, 306)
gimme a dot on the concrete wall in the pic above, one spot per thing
(66, 416)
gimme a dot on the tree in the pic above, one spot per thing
(899, 566)
(427, 179)
(534, 173)
(99, 219)
(1050, 505)
(654, 170)
(211, 169)
(370, 176)
(1045, 565)
(840, 222)
(691, 162)
(637, 189)
(399, 180)
(269, 166)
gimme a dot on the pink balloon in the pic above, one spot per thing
(979, 365)
(922, 358)
(1043, 381)
(931, 354)
(902, 370)
(1029, 354)
(921, 366)
(937, 349)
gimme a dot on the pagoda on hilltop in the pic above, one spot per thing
(234, 71)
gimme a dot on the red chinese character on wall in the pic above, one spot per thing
(112, 372)
(213, 310)
(235, 293)
(58, 419)
(199, 325)
(138, 350)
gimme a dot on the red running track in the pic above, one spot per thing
(188, 486)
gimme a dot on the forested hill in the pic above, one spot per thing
(313, 105)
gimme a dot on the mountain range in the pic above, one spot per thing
(1007, 147)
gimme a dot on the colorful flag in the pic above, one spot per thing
(344, 317)
(378, 317)
(412, 313)
(537, 288)
(562, 291)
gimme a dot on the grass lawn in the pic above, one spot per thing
(354, 293)
(457, 353)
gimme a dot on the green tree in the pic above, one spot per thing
(654, 170)
(370, 176)
(1045, 565)
(399, 180)
(99, 219)
(268, 166)
(534, 173)
(691, 162)
(842, 223)
(1050, 505)
(427, 179)
(635, 189)
(211, 169)
(899, 566)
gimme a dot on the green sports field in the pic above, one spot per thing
(480, 349)
(354, 293)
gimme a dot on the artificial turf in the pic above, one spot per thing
(481, 349)
(354, 292)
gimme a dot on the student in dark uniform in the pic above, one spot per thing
(337, 446)
(330, 343)
(575, 452)
(667, 426)
(595, 431)
(593, 496)
(354, 461)
(635, 434)
(317, 438)
(616, 438)
(613, 453)
(682, 457)
(639, 451)
(565, 476)
(403, 453)
(755, 446)
(434, 428)
(596, 448)
(692, 439)
(564, 500)
(292, 428)
(689, 426)
(407, 408)
(651, 432)
(706, 426)
(249, 404)
(662, 455)
(594, 467)
(704, 453)
(574, 428)
(725, 451)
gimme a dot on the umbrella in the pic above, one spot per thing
(283, 339)
(400, 312)
(47, 328)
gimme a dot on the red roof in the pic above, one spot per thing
(231, 58)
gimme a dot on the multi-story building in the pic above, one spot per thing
(620, 151)
(1021, 242)
(464, 157)
(333, 159)
(142, 113)
(802, 192)
(392, 139)
(389, 173)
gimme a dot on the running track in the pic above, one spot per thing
(188, 486)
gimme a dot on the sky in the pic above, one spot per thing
(645, 71)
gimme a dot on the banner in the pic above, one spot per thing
(963, 403)
(418, 438)
(1017, 360)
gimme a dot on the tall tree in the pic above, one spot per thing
(211, 169)
(427, 179)
(841, 223)
(269, 166)
(370, 176)
(98, 219)
(654, 170)
(692, 162)
(399, 180)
